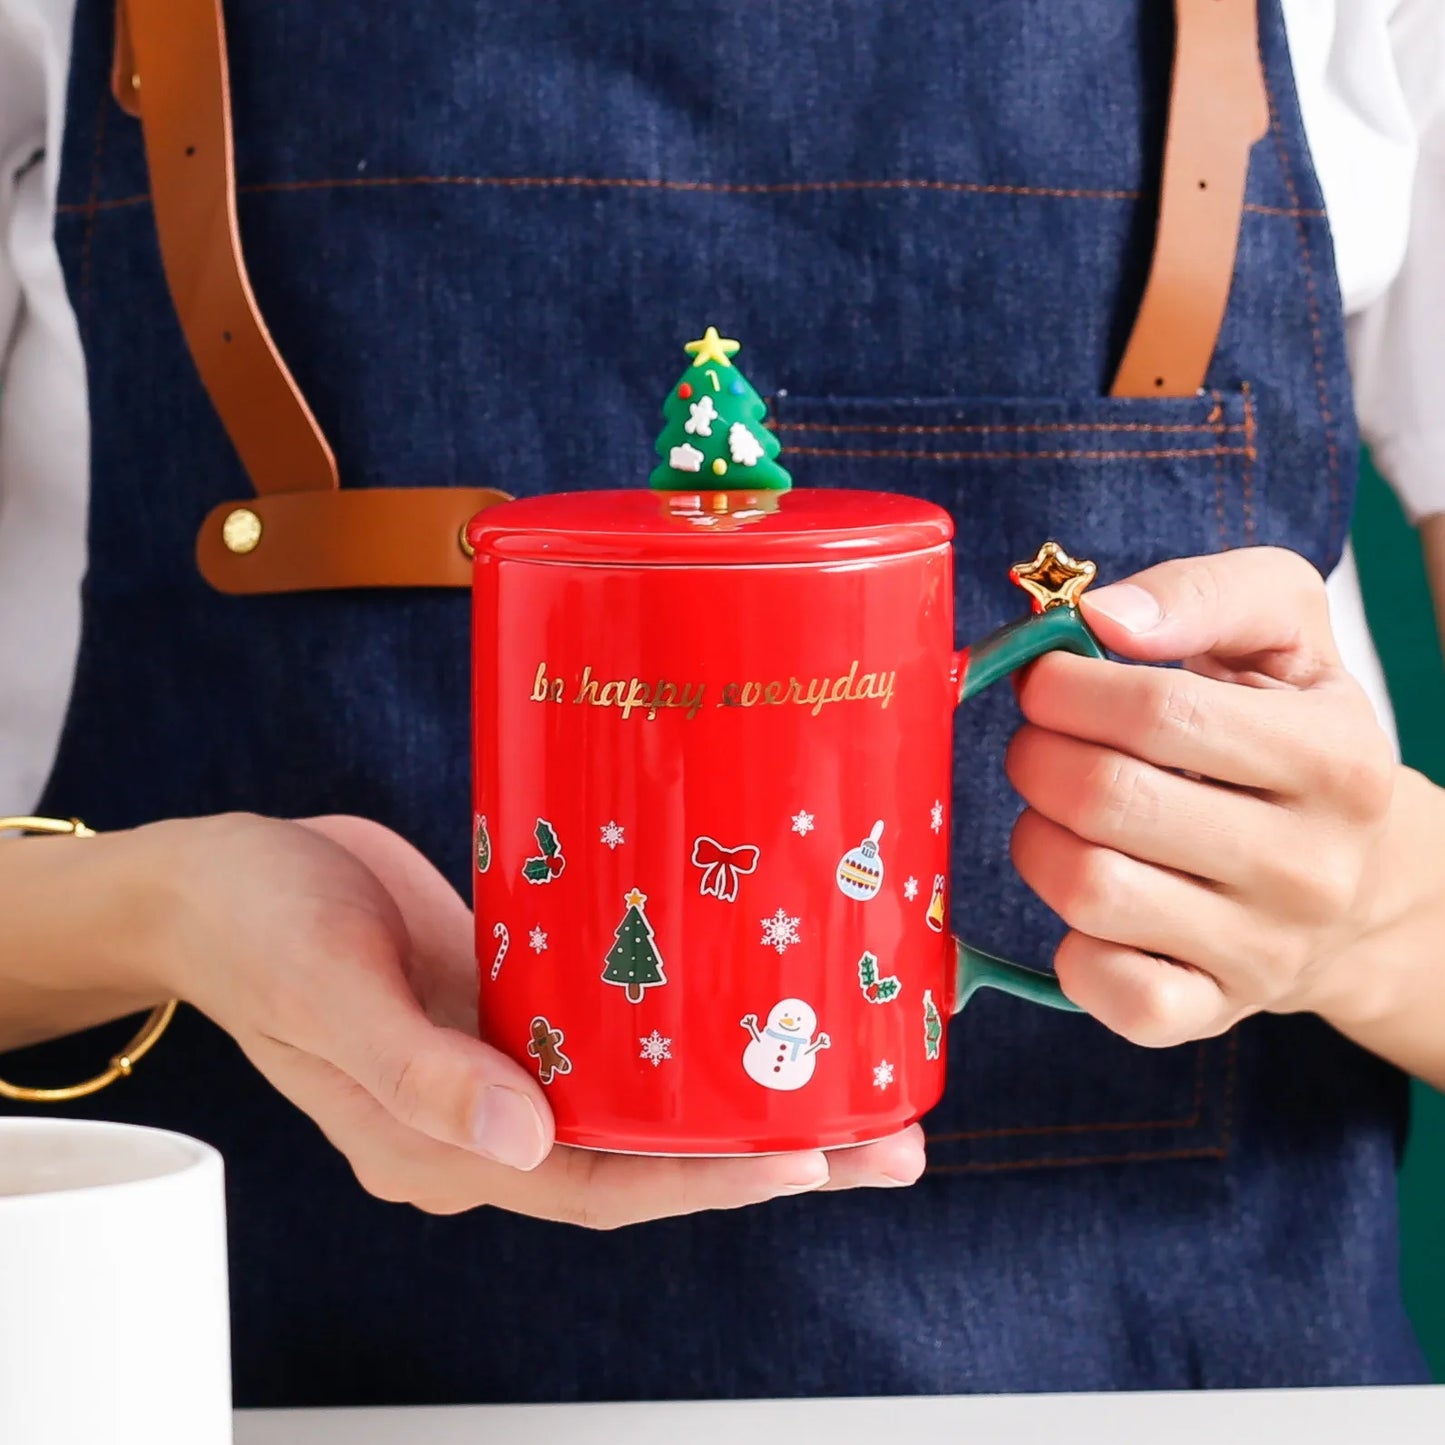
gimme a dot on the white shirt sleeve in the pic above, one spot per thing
(44, 427)
(1397, 340)
(21, 130)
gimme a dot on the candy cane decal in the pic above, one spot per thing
(500, 931)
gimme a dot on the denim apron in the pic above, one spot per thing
(479, 232)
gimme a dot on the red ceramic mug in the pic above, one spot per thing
(713, 738)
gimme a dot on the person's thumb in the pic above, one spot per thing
(439, 1081)
(452, 1088)
(1259, 608)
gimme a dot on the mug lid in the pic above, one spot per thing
(647, 528)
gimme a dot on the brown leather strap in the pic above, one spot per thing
(170, 67)
(1218, 109)
(301, 532)
(354, 537)
(178, 56)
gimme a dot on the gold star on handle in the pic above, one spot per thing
(712, 348)
(1053, 578)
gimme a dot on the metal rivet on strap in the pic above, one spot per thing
(468, 550)
(241, 530)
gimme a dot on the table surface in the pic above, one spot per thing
(1318, 1417)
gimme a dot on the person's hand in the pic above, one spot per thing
(342, 963)
(1210, 834)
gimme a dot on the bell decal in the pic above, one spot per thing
(935, 905)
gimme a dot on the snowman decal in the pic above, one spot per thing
(780, 1054)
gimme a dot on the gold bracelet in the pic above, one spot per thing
(150, 1031)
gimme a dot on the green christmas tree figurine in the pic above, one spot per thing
(633, 962)
(715, 437)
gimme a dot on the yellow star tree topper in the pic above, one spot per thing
(712, 348)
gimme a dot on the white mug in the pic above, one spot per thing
(114, 1317)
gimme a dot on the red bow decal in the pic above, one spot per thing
(722, 868)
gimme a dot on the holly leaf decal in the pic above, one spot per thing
(876, 989)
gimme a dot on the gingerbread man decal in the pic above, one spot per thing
(546, 1048)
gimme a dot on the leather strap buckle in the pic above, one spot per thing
(353, 537)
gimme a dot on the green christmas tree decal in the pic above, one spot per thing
(633, 961)
(715, 437)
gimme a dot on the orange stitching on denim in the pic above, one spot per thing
(1114, 1126)
(90, 208)
(1313, 306)
(1312, 212)
(1211, 423)
(1029, 1131)
(1248, 467)
(1231, 1078)
(1064, 456)
(1217, 412)
(643, 183)
(999, 1166)
(739, 188)
(1219, 1151)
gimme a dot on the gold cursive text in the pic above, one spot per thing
(648, 698)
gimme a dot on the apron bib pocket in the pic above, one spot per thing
(1126, 483)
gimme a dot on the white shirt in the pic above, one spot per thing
(1371, 77)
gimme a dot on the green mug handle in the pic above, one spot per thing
(1058, 628)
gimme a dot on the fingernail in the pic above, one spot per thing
(506, 1127)
(1134, 609)
(816, 1177)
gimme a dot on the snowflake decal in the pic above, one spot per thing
(780, 931)
(701, 415)
(685, 458)
(655, 1049)
(882, 1074)
(743, 446)
(803, 824)
(613, 834)
(539, 941)
(910, 888)
(935, 817)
